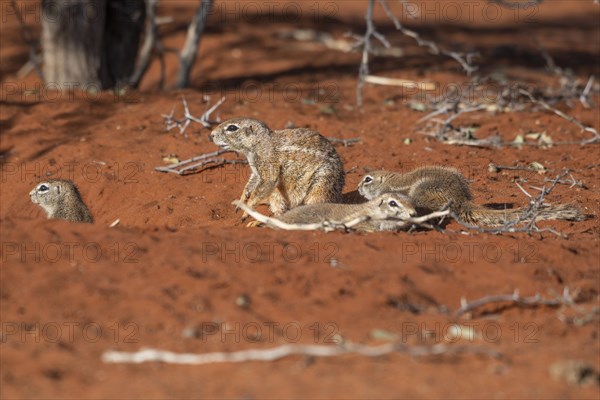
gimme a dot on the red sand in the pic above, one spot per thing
(180, 262)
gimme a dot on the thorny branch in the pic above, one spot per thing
(286, 350)
(528, 216)
(509, 99)
(572, 182)
(465, 60)
(569, 118)
(182, 124)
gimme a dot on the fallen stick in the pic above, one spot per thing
(286, 350)
(565, 299)
(275, 223)
(380, 80)
(331, 225)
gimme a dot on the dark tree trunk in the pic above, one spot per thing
(90, 42)
(123, 30)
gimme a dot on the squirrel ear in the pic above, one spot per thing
(58, 189)
(380, 203)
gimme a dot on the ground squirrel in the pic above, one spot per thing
(431, 188)
(390, 205)
(60, 199)
(290, 167)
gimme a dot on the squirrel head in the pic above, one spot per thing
(371, 185)
(395, 205)
(53, 194)
(240, 134)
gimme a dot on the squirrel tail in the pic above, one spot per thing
(485, 216)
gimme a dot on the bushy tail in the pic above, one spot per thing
(485, 216)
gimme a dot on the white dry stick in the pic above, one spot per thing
(182, 124)
(565, 299)
(583, 98)
(425, 218)
(380, 80)
(276, 353)
(331, 225)
(275, 223)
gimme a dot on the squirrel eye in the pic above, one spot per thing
(368, 179)
(232, 128)
(43, 188)
(393, 203)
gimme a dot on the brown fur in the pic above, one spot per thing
(60, 199)
(431, 188)
(289, 168)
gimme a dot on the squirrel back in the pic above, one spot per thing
(434, 187)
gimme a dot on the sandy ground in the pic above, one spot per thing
(180, 272)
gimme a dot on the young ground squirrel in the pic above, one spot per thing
(386, 212)
(431, 188)
(60, 199)
(289, 167)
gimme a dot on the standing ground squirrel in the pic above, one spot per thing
(390, 205)
(289, 167)
(60, 199)
(431, 188)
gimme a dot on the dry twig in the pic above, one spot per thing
(381, 80)
(189, 166)
(345, 142)
(595, 139)
(515, 298)
(286, 350)
(328, 226)
(528, 217)
(182, 124)
(465, 60)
